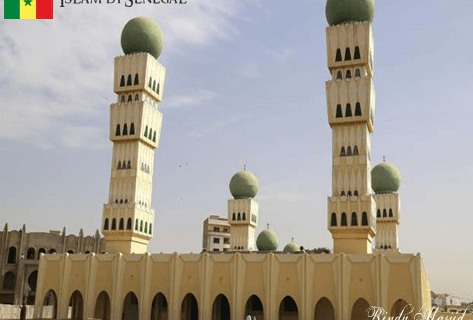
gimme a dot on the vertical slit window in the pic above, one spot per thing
(348, 111)
(233, 216)
(121, 225)
(122, 81)
(125, 130)
(347, 54)
(338, 56)
(105, 225)
(150, 228)
(344, 219)
(239, 216)
(119, 166)
(128, 224)
(348, 74)
(132, 128)
(390, 213)
(141, 226)
(357, 109)
(357, 55)
(339, 113)
(146, 132)
(364, 219)
(157, 89)
(114, 224)
(333, 220)
(146, 227)
(354, 220)
(349, 154)
(378, 214)
(154, 85)
(150, 135)
(128, 165)
(154, 136)
(117, 130)
(384, 213)
(128, 81)
(355, 150)
(136, 79)
(136, 224)
(150, 83)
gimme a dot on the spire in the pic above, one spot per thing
(64, 231)
(23, 228)
(5, 229)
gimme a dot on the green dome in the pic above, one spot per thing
(385, 178)
(340, 11)
(267, 241)
(142, 34)
(243, 185)
(292, 247)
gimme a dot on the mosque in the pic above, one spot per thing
(365, 273)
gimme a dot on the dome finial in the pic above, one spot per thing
(142, 34)
(244, 185)
(344, 11)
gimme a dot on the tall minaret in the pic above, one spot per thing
(350, 106)
(243, 211)
(385, 180)
(135, 128)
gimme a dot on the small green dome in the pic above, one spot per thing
(243, 185)
(292, 247)
(267, 241)
(142, 34)
(340, 11)
(385, 178)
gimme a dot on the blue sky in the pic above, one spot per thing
(245, 85)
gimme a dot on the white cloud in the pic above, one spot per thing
(85, 137)
(181, 101)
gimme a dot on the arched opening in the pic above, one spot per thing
(339, 113)
(122, 81)
(355, 150)
(403, 309)
(354, 220)
(70, 251)
(119, 165)
(128, 224)
(128, 164)
(338, 57)
(30, 254)
(233, 216)
(102, 307)
(357, 73)
(390, 213)
(356, 55)
(52, 251)
(360, 310)
(117, 130)
(136, 80)
(221, 308)
(384, 213)
(342, 193)
(333, 220)
(159, 307)
(33, 280)
(349, 153)
(364, 219)
(128, 81)
(378, 213)
(243, 216)
(347, 54)
(130, 307)
(11, 255)
(344, 219)
(348, 111)
(342, 152)
(349, 191)
(130, 98)
(254, 307)
(121, 225)
(9, 281)
(114, 224)
(355, 193)
(123, 98)
(125, 129)
(49, 305)
(339, 75)
(132, 128)
(357, 109)
(348, 74)
(76, 303)
(189, 308)
(239, 216)
(105, 225)
(288, 309)
(324, 310)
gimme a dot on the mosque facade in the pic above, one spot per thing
(251, 278)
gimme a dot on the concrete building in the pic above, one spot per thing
(20, 252)
(351, 283)
(216, 234)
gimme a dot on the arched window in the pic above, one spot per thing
(239, 216)
(141, 226)
(30, 254)
(154, 136)
(349, 153)
(339, 113)
(355, 193)
(11, 255)
(128, 165)
(136, 224)
(117, 130)
(333, 220)
(136, 80)
(150, 83)
(128, 81)
(146, 132)
(344, 219)
(339, 75)
(357, 73)
(378, 214)
(125, 129)
(356, 55)
(154, 85)
(119, 166)
(354, 220)
(348, 74)
(150, 228)
(102, 306)
(342, 193)
(355, 150)
(52, 251)
(50, 300)
(233, 216)
(384, 213)
(338, 57)
(342, 152)
(347, 54)
(132, 128)
(130, 98)
(221, 308)
(9, 281)
(244, 216)
(137, 97)
(159, 307)
(121, 225)
(364, 219)
(114, 224)
(349, 192)
(390, 213)
(70, 251)
(40, 251)
(359, 310)
(254, 307)
(124, 164)
(189, 308)
(122, 81)
(105, 225)
(288, 308)
(324, 310)
(130, 307)
(357, 109)
(123, 98)
(348, 111)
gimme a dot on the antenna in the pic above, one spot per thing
(384, 158)
(267, 226)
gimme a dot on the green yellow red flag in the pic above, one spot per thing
(28, 9)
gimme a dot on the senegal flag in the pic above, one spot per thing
(28, 9)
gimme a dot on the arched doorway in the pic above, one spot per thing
(76, 303)
(288, 309)
(189, 308)
(130, 307)
(360, 310)
(221, 308)
(402, 308)
(50, 305)
(159, 307)
(102, 306)
(254, 307)
(324, 310)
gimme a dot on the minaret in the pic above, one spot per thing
(350, 106)
(385, 181)
(135, 128)
(243, 211)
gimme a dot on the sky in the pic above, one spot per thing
(245, 84)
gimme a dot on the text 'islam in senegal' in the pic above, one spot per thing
(128, 3)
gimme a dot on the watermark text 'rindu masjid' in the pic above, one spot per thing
(128, 3)
(378, 313)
